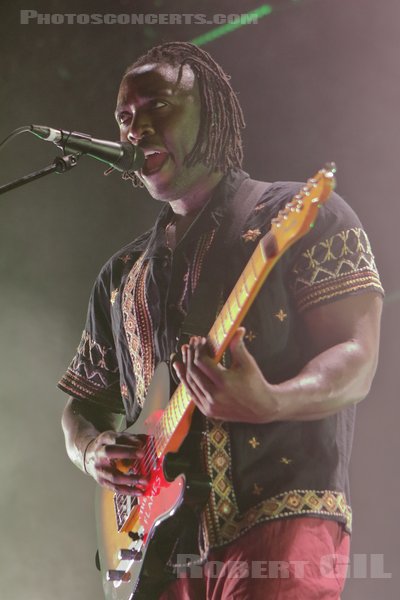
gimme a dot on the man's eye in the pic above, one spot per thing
(124, 118)
(158, 104)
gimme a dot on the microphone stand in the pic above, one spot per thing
(61, 164)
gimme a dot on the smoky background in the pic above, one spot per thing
(318, 80)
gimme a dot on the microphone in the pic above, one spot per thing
(122, 156)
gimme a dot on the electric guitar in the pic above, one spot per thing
(126, 524)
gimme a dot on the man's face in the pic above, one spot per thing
(158, 108)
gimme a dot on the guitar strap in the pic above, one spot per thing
(205, 301)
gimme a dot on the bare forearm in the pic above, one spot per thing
(80, 428)
(336, 378)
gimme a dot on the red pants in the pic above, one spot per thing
(289, 559)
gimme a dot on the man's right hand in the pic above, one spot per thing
(113, 460)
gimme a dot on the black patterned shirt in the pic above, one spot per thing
(259, 472)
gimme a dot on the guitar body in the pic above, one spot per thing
(121, 518)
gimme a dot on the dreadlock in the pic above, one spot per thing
(219, 142)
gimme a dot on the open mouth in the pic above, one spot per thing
(153, 162)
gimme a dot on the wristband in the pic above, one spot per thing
(84, 454)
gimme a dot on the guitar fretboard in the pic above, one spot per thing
(219, 337)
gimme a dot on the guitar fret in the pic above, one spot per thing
(151, 453)
(164, 421)
(243, 296)
(254, 265)
(226, 317)
(244, 280)
(162, 446)
(174, 414)
(180, 401)
(181, 407)
(220, 336)
(175, 411)
(228, 306)
(233, 303)
(169, 420)
(213, 336)
(250, 278)
(170, 426)
(177, 402)
(163, 438)
(261, 257)
(158, 443)
(251, 263)
(212, 340)
(170, 412)
(235, 292)
(222, 324)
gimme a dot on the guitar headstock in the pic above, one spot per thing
(299, 215)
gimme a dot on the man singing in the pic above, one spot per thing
(277, 414)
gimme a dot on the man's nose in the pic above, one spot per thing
(139, 129)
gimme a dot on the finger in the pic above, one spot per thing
(135, 440)
(206, 365)
(240, 355)
(187, 379)
(127, 466)
(119, 478)
(194, 393)
(119, 451)
(121, 489)
(184, 350)
(199, 383)
(200, 367)
(114, 476)
(179, 369)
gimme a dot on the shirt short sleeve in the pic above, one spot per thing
(333, 260)
(93, 374)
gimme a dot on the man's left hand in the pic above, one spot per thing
(239, 393)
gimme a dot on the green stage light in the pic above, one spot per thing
(261, 11)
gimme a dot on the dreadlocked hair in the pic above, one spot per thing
(219, 141)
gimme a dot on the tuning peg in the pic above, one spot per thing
(330, 166)
(118, 575)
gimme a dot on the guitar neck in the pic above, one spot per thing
(219, 337)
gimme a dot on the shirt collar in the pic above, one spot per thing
(209, 217)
